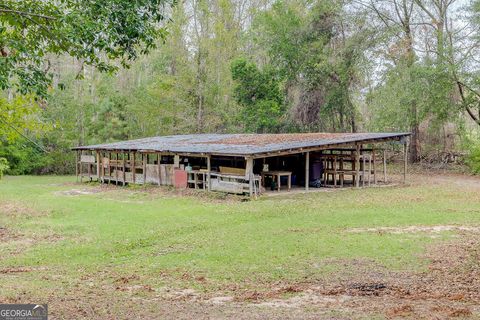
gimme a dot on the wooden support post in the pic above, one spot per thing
(335, 172)
(144, 170)
(98, 166)
(324, 167)
(374, 160)
(89, 170)
(405, 161)
(176, 161)
(102, 168)
(133, 168)
(307, 170)
(341, 175)
(369, 169)
(209, 168)
(159, 159)
(124, 168)
(249, 174)
(116, 168)
(80, 167)
(384, 166)
(363, 170)
(110, 167)
(357, 166)
(76, 164)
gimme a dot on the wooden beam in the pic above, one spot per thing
(109, 167)
(335, 172)
(102, 155)
(369, 169)
(80, 168)
(363, 170)
(405, 161)
(176, 161)
(307, 170)
(98, 166)
(144, 170)
(249, 173)
(124, 168)
(159, 159)
(89, 172)
(76, 164)
(374, 160)
(133, 168)
(384, 166)
(116, 168)
(209, 168)
(357, 166)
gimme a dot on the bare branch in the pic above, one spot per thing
(26, 14)
(422, 6)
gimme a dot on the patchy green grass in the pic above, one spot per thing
(171, 240)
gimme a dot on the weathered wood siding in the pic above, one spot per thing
(87, 158)
(166, 174)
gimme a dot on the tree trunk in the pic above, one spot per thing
(200, 85)
(414, 151)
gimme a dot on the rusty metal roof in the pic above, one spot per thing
(242, 144)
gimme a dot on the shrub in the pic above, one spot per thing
(22, 157)
(473, 158)
(3, 166)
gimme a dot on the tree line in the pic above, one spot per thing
(122, 71)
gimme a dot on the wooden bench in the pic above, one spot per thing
(232, 171)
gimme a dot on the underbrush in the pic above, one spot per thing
(473, 158)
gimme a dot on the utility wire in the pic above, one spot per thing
(20, 133)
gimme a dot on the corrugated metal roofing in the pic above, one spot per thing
(240, 144)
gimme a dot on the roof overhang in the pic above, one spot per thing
(245, 145)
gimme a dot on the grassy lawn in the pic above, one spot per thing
(204, 243)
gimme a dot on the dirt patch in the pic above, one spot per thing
(308, 298)
(87, 188)
(442, 177)
(453, 274)
(15, 209)
(452, 312)
(14, 242)
(273, 293)
(127, 279)
(15, 270)
(415, 229)
(209, 197)
(79, 192)
(8, 235)
(19, 270)
(139, 194)
(135, 288)
(220, 299)
(400, 311)
(63, 184)
(360, 288)
(448, 288)
(366, 289)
